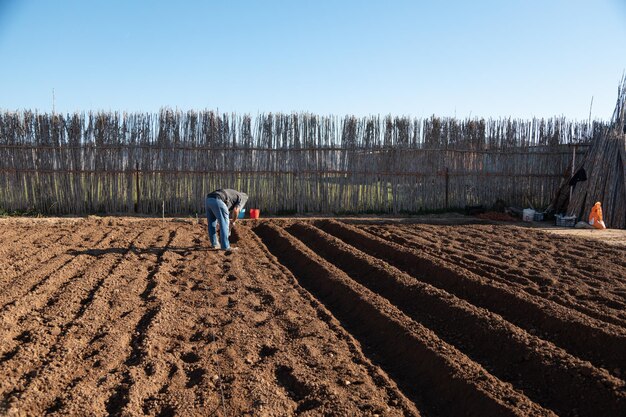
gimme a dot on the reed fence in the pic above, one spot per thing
(605, 166)
(287, 163)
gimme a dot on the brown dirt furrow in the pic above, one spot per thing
(107, 330)
(9, 230)
(506, 242)
(35, 270)
(578, 250)
(182, 377)
(571, 258)
(40, 234)
(281, 350)
(44, 287)
(168, 369)
(33, 371)
(177, 342)
(31, 280)
(589, 339)
(19, 239)
(435, 374)
(18, 235)
(20, 259)
(510, 353)
(534, 281)
(150, 307)
(96, 322)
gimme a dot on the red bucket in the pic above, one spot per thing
(255, 213)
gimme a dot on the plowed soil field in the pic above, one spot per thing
(130, 317)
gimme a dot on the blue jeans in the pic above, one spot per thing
(216, 211)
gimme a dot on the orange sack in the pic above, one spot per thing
(595, 217)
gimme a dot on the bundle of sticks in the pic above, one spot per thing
(605, 166)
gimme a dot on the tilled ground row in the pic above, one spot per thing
(458, 308)
(578, 275)
(138, 317)
(596, 341)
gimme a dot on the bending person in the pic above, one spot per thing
(219, 204)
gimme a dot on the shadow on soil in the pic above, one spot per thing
(185, 251)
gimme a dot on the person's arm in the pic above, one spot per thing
(236, 211)
(241, 202)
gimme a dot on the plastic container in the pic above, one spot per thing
(528, 215)
(242, 214)
(565, 221)
(255, 213)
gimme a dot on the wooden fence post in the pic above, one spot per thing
(447, 187)
(137, 186)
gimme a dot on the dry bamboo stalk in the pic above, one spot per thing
(299, 161)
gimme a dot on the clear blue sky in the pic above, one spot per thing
(518, 58)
